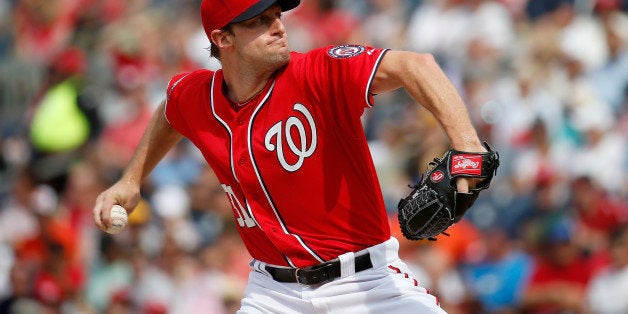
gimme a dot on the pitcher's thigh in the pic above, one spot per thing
(391, 289)
(265, 295)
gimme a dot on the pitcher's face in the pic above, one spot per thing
(262, 40)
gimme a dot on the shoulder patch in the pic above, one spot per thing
(345, 51)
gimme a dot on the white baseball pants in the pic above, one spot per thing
(388, 287)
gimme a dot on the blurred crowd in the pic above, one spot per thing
(545, 82)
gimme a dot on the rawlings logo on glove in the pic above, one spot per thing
(435, 203)
(466, 164)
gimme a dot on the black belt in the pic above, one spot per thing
(316, 274)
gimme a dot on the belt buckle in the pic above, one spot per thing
(297, 279)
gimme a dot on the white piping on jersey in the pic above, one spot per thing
(170, 92)
(248, 207)
(226, 126)
(263, 186)
(165, 110)
(211, 103)
(368, 86)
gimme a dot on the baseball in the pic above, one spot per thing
(119, 218)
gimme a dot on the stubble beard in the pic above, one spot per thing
(277, 60)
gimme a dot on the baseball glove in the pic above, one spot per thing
(435, 204)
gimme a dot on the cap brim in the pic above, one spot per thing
(262, 6)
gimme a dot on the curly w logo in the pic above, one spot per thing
(283, 133)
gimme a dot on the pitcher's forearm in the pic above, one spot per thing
(438, 94)
(423, 79)
(157, 140)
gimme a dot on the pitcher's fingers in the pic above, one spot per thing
(97, 211)
(462, 185)
(105, 213)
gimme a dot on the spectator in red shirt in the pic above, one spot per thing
(560, 273)
(597, 213)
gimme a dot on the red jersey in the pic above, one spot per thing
(295, 163)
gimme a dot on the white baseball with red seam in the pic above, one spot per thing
(119, 219)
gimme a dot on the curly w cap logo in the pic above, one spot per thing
(466, 164)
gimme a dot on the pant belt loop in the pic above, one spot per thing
(260, 266)
(347, 264)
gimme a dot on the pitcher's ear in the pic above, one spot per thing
(221, 38)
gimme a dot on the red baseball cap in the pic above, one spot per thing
(217, 14)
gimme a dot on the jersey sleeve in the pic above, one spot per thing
(172, 110)
(344, 75)
(186, 97)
